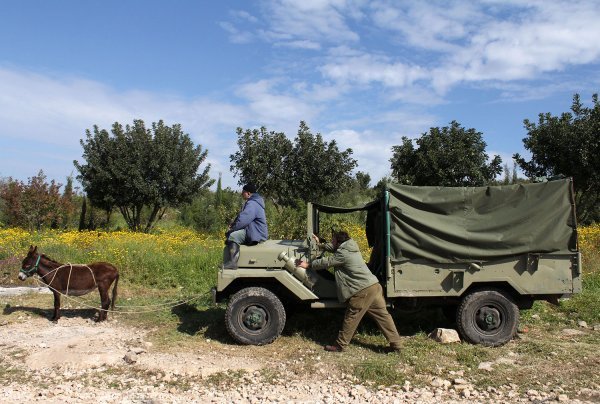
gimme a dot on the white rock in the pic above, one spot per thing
(582, 324)
(487, 366)
(444, 335)
(572, 332)
(505, 361)
(437, 382)
(130, 358)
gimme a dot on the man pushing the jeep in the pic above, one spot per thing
(357, 287)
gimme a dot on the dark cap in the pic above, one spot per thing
(249, 188)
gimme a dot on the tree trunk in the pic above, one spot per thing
(82, 215)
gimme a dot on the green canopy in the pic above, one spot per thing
(478, 224)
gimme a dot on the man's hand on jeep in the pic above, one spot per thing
(302, 264)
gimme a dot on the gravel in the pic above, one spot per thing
(79, 361)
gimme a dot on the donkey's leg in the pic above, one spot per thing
(56, 315)
(104, 300)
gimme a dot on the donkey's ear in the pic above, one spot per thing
(31, 249)
(34, 249)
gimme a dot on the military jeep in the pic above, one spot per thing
(480, 253)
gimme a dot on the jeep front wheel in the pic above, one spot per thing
(487, 317)
(255, 316)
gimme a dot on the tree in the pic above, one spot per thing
(67, 204)
(219, 193)
(448, 156)
(211, 212)
(363, 180)
(141, 171)
(3, 214)
(318, 169)
(309, 169)
(568, 144)
(510, 174)
(34, 205)
(262, 159)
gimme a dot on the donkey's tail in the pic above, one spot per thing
(114, 293)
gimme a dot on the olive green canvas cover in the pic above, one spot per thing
(478, 224)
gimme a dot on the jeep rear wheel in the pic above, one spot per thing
(255, 316)
(487, 317)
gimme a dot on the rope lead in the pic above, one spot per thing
(161, 307)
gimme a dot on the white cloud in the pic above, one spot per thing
(372, 147)
(372, 150)
(439, 44)
(303, 44)
(38, 111)
(428, 25)
(236, 35)
(244, 15)
(275, 109)
(316, 21)
(368, 68)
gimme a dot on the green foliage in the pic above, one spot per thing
(262, 160)
(568, 144)
(357, 193)
(310, 169)
(448, 156)
(37, 204)
(586, 305)
(362, 180)
(3, 210)
(318, 169)
(69, 201)
(510, 175)
(141, 170)
(287, 223)
(379, 371)
(211, 212)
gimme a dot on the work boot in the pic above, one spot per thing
(233, 250)
(333, 348)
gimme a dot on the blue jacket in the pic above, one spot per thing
(253, 219)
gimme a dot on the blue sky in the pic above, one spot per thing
(364, 73)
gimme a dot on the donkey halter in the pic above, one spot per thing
(32, 269)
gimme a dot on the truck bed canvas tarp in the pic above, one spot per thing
(478, 224)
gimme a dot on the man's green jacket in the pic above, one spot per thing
(351, 273)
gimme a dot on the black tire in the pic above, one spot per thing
(487, 317)
(255, 316)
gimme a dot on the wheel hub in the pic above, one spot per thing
(488, 318)
(254, 318)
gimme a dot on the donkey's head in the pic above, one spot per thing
(30, 263)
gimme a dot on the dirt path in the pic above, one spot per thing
(77, 360)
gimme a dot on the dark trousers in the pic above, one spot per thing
(370, 301)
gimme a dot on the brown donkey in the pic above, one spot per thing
(73, 280)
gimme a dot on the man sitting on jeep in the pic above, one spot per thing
(248, 228)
